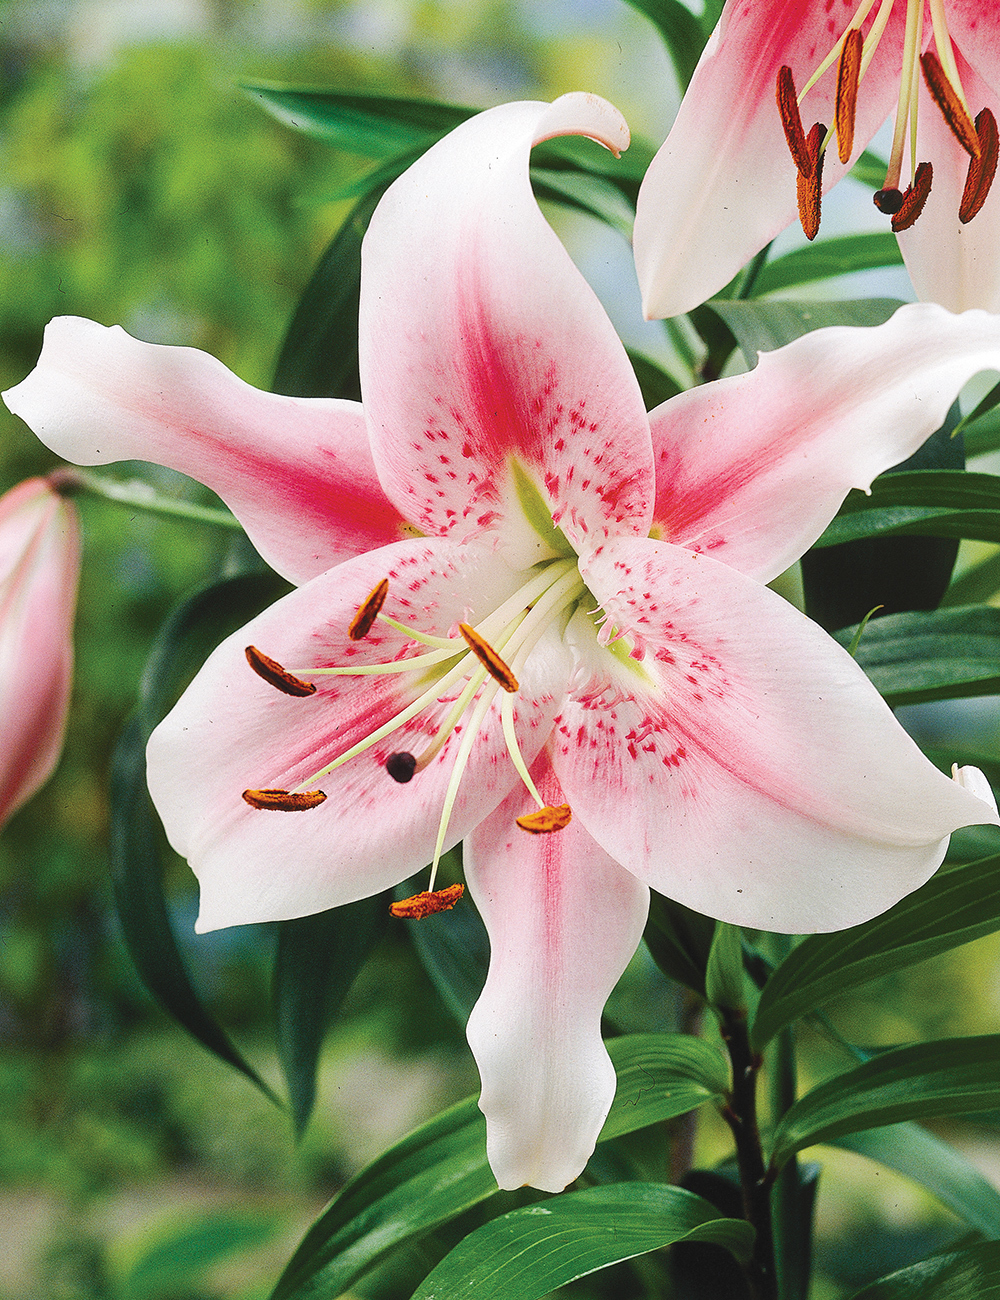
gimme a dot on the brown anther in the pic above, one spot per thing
(982, 170)
(914, 198)
(283, 800)
(427, 903)
(361, 623)
(273, 673)
(952, 109)
(544, 820)
(489, 658)
(810, 187)
(791, 120)
(888, 201)
(848, 72)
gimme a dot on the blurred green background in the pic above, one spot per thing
(139, 186)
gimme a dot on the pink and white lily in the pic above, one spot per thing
(725, 181)
(39, 571)
(545, 630)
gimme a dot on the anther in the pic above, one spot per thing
(284, 800)
(544, 820)
(982, 170)
(427, 903)
(888, 201)
(361, 623)
(273, 673)
(914, 198)
(952, 109)
(809, 185)
(791, 120)
(401, 766)
(489, 658)
(848, 73)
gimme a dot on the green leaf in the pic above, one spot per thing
(724, 975)
(984, 435)
(591, 194)
(969, 1274)
(986, 406)
(870, 170)
(174, 1259)
(440, 1170)
(952, 908)
(951, 1076)
(679, 940)
(931, 655)
(316, 961)
(377, 126)
(827, 258)
(919, 1155)
(979, 582)
(137, 850)
(762, 326)
(657, 386)
(319, 356)
(934, 503)
(527, 1253)
(682, 34)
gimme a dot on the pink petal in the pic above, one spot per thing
(39, 569)
(745, 766)
(974, 26)
(723, 183)
(481, 342)
(753, 468)
(296, 471)
(232, 731)
(949, 263)
(564, 919)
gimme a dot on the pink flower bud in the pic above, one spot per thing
(39, 570)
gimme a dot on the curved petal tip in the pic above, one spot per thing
(579, 113)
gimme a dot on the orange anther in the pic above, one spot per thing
(545, 820)
(273, 673)
(982, 170)
(848, 72)
(427, 903)
(488, 657)
(914, 198)
(791, 120)
(810, 185)
(361, 623)
(284, 800)
(952, 109)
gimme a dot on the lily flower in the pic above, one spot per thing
(553, 638)
(786, 96)
(39, 571)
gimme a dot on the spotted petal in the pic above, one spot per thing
(232, 731)
(751, 469)
(297, 472)
(746, 766)
(481, 342)
(723, 183)
(563, 919)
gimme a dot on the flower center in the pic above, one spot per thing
(853, 53)
(467, 672)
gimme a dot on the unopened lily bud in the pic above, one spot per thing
(39, 572)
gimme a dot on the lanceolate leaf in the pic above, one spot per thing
(969, 1274)
(763, 326)
(951, 1076)
(829, 257)
(953, 908)
(682, 34)
(938, 503)
(531, 1251)
(315, 964)
(137, 845)
(944, 1171)
(441, 1170)
(931, 655)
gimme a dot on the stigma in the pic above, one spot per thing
(852, 54)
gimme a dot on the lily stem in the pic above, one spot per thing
(741, 1116)
(138, 495)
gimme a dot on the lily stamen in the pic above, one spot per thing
(809, 187)
(284, 800)
(546, 820)
(272, 672)
(427, 903)
(362, 622)
(982, 169)
(848, 73)
(912, 202)
(951, 103)
(489, 658)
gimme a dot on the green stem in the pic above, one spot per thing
(741, 1116)
(137, 495)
